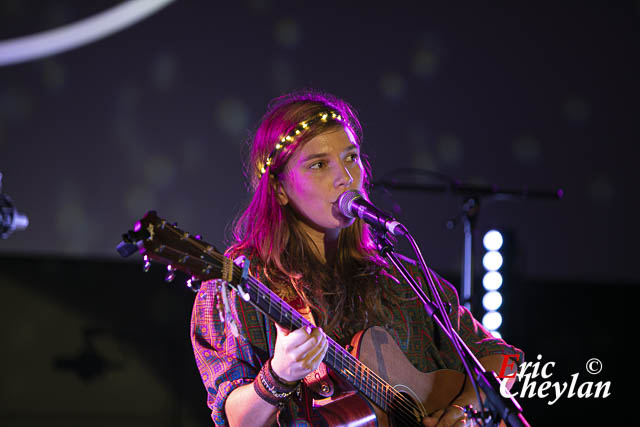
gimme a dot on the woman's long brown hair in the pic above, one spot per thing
(271, 234)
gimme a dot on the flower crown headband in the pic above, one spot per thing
(288, 139)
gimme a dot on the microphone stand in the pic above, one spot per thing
(469, 213)
(500, 408)
(471, 196)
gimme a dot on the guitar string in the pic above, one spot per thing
(400, 401)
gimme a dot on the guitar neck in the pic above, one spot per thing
(341, 361)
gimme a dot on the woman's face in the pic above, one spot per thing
(317, 174)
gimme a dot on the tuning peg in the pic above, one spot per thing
(171, 274)
(147, 264)
(191, 284)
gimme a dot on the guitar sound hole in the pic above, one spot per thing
(404, 411)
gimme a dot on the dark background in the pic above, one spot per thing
(154, 117)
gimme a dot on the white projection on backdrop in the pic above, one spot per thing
(79, 33)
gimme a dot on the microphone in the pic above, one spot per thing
(352, 204)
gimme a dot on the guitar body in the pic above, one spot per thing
(425, 393)
(348, 409)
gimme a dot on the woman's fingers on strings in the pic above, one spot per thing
(320, 357)
(316, 355)
(308, 329)
(308, 333)
(295, 338)
(301, 351)
(317, 347)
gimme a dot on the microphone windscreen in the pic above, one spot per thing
(345, 200)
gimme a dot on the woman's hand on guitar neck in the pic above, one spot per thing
(298, 353)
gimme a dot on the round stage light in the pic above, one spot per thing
(492, 261)
(492, 240)
(492, 301)
(492, 320)
(492, 281)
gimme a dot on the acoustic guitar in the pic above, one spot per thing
(386, 388)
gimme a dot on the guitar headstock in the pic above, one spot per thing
(156, 239)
